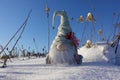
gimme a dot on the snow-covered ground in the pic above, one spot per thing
(94, 67)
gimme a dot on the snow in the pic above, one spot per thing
(95, 66)
(93, 54)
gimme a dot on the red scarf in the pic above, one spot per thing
(73, 38)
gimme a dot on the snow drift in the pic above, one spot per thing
(95, 66)
(101, 52)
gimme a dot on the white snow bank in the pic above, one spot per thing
(102, 52)
(93, 54)
(36, 69)
(110, 54)
(92, 68)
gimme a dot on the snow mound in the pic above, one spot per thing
(101, 52)
(93, 54)
(94, 67)
(110, 54)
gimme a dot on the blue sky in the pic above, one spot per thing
(14, 12)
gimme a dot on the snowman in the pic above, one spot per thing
(64, 47)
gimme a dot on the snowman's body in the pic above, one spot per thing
(62, 50)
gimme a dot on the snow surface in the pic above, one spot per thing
(94, 67)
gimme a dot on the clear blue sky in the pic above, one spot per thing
(14, 12)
